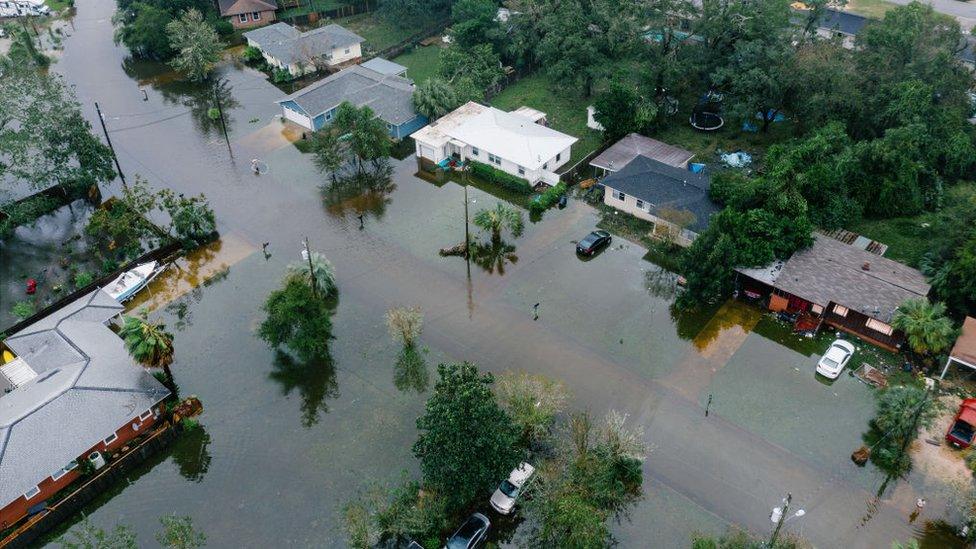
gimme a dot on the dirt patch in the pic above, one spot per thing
(943, 462)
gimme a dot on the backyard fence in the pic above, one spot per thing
(410, 42)
(574, 173)
(312, 16)
(50, 517)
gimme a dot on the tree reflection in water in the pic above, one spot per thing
(410, 371)
(199, 97)
(315, 382)
(191, 453)
(493, 256)
(356, 194)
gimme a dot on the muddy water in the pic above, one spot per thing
(283, 445)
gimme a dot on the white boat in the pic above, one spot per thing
(131, 281)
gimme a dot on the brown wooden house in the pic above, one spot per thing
(840, 284)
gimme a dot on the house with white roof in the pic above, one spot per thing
(285, 47)
(515, 142)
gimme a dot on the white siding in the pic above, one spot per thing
(297, 118)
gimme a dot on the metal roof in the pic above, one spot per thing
(86, 388)
(665, 186)
(390, 97)
(286, 44)
(965, 348)
(384, 67)
(618, 155)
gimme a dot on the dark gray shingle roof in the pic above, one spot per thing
(87, 387)
(390, 97)
(286, 44)
(843, 21)
(666, 187)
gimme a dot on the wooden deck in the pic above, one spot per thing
(853, 324)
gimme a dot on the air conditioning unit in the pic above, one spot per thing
(97, 459)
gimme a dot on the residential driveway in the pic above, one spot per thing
(286, 445)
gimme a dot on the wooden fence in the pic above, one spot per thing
(575, 172)
(46, 520)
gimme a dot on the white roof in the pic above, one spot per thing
(513, 137)
(435, 134)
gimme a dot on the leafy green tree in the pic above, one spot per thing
(330, 154)
(925, 325)
(197, 46)
(44, 139)
(461, 420)
(471, 70)
(502, 216)
(736, 538)
(621, 110)
(366, 134)
(88, 536)
(901, 412)
(723, 25)
(149, 344)
(434, 98)
(24, 52)
(759, 80)
(123, 225)
(319, 266)
(192, 221)
(141, 27)
(393, 513)
(414, 13)
(532, 401)
(297, 318)
(178, 533)
(474, 23)
(951, 260)
(671, 52)
(567, 51)
(566, 519)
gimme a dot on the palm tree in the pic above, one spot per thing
(925, 325)
(502, 216)
(434, 98)
(149, 344)
(323, 270)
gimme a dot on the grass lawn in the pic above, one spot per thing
(421, 62)
(906, 238)
(308, 6)
(566, 113)
(705, 144)
(57, 5)
(870, 8)
(379, 33)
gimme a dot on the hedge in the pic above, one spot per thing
(548, 198)
(500, 178)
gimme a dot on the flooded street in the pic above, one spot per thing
(283, 446)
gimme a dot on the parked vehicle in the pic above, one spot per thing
(963, 427)
(837, 356)
(503, 500)
(593, 242)
(470, 534)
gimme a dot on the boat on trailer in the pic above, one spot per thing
(130, 282)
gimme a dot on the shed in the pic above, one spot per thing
(385, 67)
(964, 351)
(621, 153)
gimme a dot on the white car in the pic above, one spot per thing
(833, 361)
(503, 500)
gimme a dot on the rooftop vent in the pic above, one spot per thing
(866, 266)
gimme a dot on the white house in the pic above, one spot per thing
(515, 142)
(285, 47)
(21, 8)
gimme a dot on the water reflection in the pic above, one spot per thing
(201, 98)
(364, 193)
(315, 382)
(661, 283)
(493, 256)
(410, 372)
(191, 453)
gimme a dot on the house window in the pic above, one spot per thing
(640, 204)
(474, 151)
(111, 438)
(256, 16)
(347, 50)
(65, 470)
(840, 310)
(558, 155)
(494, 159)
(816, 309)
(879, 326)
(545, 166)
(32, 492)
(619, 196)
(242, 18)
(145, 415)
(521, 171)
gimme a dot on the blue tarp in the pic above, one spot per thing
(696, 168)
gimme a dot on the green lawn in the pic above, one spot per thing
(379, 33)
(308, 6)
(421, 62)
(566, 113)
(870, 8)
(906, 238)
(58, 5)
(705, 144)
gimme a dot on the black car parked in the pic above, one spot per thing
(593, 242)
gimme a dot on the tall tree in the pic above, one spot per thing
(622, 110)
(478, 66)
(474, 23)
(150, 344)
(297, 318)
(759, 80)
(141, 27)
(330, 154)
(925, 325)
(568, 50)
(197, 46)
(462, 420)
(367, 135)
(434, 98)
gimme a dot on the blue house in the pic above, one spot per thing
(389, 96)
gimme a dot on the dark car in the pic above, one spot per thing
(963, 426)
(470, 534)
(593, 242)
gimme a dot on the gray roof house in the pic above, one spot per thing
(651, 190)
(286, 47)
(390, 97)
(385, 67)
(73, 385)
(632, 145)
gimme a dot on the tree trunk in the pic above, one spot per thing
(169, 383)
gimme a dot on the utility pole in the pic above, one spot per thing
(467, 235)
(223, 125)
(782, 518)
(311, 271)
(108, 139)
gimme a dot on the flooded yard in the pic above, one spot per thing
(283, 445)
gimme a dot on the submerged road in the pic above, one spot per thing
(723, 469)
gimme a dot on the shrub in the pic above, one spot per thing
(83, 279)
(548, 198)
(281, 75)
(251, 55)
(500, 178)
(23, 309)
